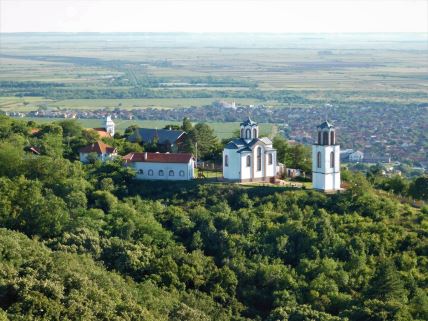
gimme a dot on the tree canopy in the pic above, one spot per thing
(89, 242)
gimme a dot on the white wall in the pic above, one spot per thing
(233, 171)
(271, 169)
(238, 170)
(246, 171)
(326, 178)
(188, 169)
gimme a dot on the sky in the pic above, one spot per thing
(214, 16)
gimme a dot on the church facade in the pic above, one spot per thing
(249, 158)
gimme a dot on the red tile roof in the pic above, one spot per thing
(102, 132)
(158, 157)
(99, 148)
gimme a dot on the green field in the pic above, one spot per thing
(222, 130)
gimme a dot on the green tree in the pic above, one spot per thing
(419, 188)
(386, 283)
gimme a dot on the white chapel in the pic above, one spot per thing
(326, 159)
(249, 158)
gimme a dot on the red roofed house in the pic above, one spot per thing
(162, 166)
(104, 152)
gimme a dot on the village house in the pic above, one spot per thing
(102, 151)
(161, 166)
(167, 140)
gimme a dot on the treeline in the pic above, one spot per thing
(88, 242)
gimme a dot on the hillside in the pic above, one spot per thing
(89, 243)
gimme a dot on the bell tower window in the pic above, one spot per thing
(332, 159)
(248, 134)
(319, 159)
(319, 138)
(254, 133)
(325, 138)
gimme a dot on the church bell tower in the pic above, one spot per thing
(249, 130)
(326, 159)
(109, 126)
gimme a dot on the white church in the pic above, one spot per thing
(249, 158)
(326, 159)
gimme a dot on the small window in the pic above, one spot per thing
(161, 172)
(248, 161)
(259, 158)
(226, 160)
(140, 172)
(242, 132)
(181, 173)
(254, 133)
(270, 158)
(171, 173)
(150, 172)
(319, 138)
(332, 159)
(248, 133)
(319, 159)
(332, 138)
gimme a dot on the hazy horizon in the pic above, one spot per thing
(207, 16)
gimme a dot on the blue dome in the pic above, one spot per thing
(325, 125)
(248, 122)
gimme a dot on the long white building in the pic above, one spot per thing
(249, 158)
(162, 166)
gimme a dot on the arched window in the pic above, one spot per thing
(325, 138)
(181, 173)
(150, 172)
(259, 158)
(319, 138)
(161, 172)
(226, 160)
(332, 138)
(332, 159)
(248, 161)
(319, 159)
(270, 159)
(255, 133)
(171, 173)
(242, 132)
(248, 134)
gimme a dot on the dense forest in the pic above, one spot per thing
(87, 242)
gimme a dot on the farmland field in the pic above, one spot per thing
(180, 70)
